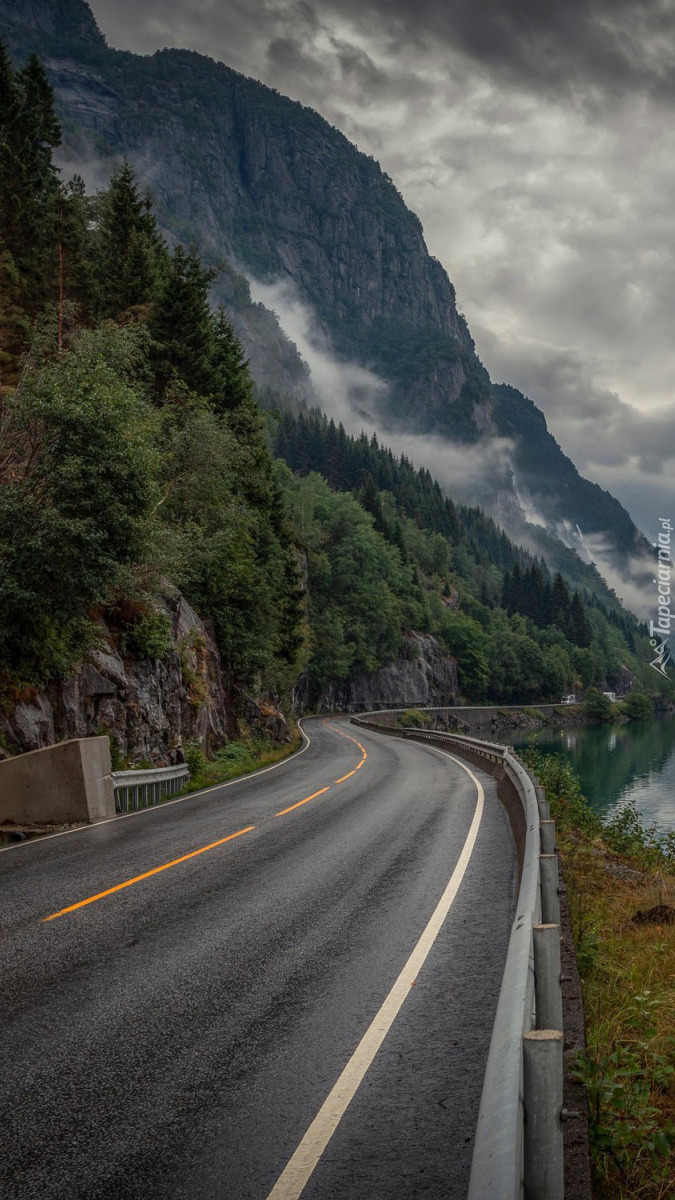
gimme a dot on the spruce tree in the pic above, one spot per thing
(182, 325)
(580, 626)
(560, 605)
(10, 101)
(29, 132)
(231, 383)
(80, 272)
(14, 321)
(132, 253)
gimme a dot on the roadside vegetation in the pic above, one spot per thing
(620, 877)
(235, 759)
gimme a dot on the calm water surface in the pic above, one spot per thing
(618, 764)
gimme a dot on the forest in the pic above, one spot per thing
(134, 457)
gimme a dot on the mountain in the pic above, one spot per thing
(266, 182)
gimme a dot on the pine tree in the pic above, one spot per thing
(560, 605)
(231, 383)
(79, 265)
(14, 321)
(29, 132)
(369, 497)
(580, 626)
(132, 254)
(10, 102)
(182, 325)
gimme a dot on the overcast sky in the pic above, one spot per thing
(536, 141)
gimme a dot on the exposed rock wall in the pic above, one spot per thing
(424, 676)
(151, 707)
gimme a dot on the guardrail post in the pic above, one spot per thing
(547, 836)
(544, 807)
(550, 902)
(542, 1089)
(547, 990)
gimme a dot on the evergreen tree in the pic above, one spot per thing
(231, 383)
(580, 627)
(369, 497)
(560, 605)
(14, 321)
(79, 266)
(29, 132)
(182, 325)
(132, 254)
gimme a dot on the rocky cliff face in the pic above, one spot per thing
(267, 182)
(424, 676)
(151, 708)
(259, 178)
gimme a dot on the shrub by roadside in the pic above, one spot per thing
(234, 759)
(414, 718)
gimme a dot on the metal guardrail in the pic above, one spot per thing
(518, 1149)
(141, 789)
(434, 708)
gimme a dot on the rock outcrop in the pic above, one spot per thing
(150, 707)
(424, 675)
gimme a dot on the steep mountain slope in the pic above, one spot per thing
(261, 179)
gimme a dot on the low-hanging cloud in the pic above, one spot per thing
(352, 395)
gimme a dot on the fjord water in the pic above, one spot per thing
(618, 763)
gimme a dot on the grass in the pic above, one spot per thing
(235, 759)
(614, 869)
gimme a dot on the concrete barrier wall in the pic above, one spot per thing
(71, 781)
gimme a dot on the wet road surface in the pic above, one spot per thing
(178, 1035)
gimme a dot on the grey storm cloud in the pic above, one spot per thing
(536, 142)
(561, 44)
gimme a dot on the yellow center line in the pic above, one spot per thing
(146, 874)
(356, 743)
(301, 802)
(212, 845)
(345, 776)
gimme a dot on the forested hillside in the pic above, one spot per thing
(135, 459)
(257, 177)
(517, 632)
(132, 447)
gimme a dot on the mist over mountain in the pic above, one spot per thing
(268, 184)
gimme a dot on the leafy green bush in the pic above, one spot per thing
(76, 485)
(413, 718)
(234, 754)
(625, 1124)
(569, 807)
(625, 833)
(638, 706)
(596, 706)
(195, 759)
(149, 636)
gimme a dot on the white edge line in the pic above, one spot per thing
(142, 812)
(300, 1167)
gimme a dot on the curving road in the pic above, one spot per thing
(233, 1012)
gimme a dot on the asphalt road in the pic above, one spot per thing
(178, 1036)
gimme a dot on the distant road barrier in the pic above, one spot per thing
(141, 789)
(518, 1148)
